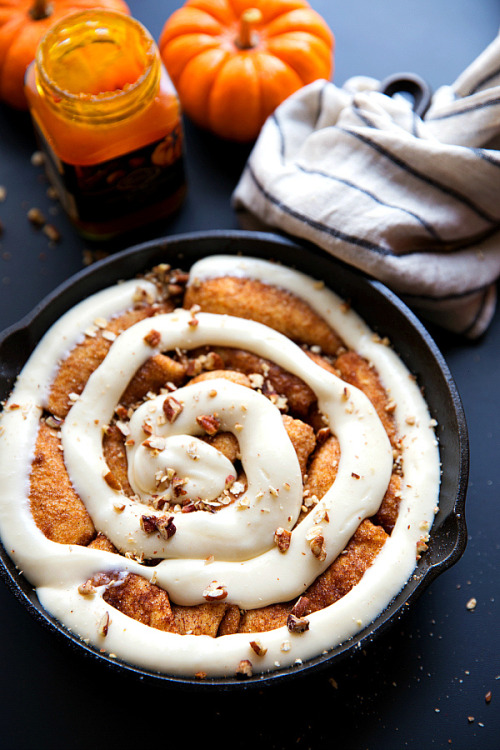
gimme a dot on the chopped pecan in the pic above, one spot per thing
(317, 542)
(318, 547)
(112, 481)
(51, 232)
(177, 486)
(322, 435)
(172, 408)
(121, 412)
(87, 588)
(163, 524)
(422, 546)
(297, 624)
(166, 527)
(301, 607)
(149, 524)
(282, 539)
(104, 624)
(215, 592)
(258, 648)
(152, 338)
(55, 422)
(36, 217)
(190, 507)
(147, 428)
(244, 668)
(209, 422)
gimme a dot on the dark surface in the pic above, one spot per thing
(423, 684)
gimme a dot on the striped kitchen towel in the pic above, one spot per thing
(412, 201)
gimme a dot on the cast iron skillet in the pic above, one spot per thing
(383, 311)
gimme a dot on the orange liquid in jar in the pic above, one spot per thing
(109, 121)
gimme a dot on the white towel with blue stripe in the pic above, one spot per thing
(413, 202)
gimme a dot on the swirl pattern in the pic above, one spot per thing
(223, 473)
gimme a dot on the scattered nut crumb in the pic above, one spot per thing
(104, 624)
(244, 668)
(112, 481)
(258, 648)
(37, 158)
(87, 588)
(152, 338)
(282, 539)
(215, 592)
(52, 232)
(209, 423)
(36, 217)
(297, 624)
(172, 408)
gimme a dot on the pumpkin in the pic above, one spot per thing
(233, 61)
(22, 25)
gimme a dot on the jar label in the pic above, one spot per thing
(105, 191)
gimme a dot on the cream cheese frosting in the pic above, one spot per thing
(237, 540)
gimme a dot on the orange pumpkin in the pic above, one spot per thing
(233, 61)
(22, 25)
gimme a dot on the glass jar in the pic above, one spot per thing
(109, 122)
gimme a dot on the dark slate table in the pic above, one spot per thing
(424, 683)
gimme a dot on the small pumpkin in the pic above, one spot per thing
(233, 61)
(22, 25)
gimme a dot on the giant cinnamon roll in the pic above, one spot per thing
(216, 473)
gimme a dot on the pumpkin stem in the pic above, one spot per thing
(248, 19)
(40, 9)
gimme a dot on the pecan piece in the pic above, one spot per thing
(51, 232)
(209, 422)
(258, 648)
(87, 588)
(172, 408)
(282, 539)
(112, 481)
(148, 524)
(152, 338)
(318, 547)
(322, 435)
(297, 624)
(317, 542)
(166, 526)
(244, 668)
(177, 485)
(36, 217)
(301, 607)
(104, 624)
(215, 592)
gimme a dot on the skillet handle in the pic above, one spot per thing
(411, 84)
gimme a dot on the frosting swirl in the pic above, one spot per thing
(210, 523)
